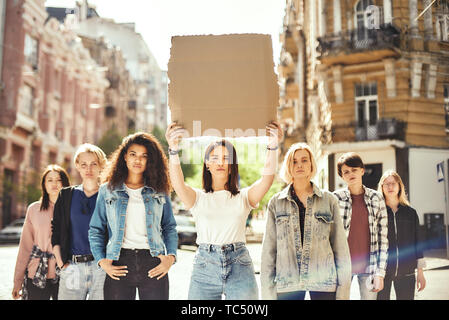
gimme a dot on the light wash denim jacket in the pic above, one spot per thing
(321, 263)
(110, 214)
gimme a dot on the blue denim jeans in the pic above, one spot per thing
(80, 280)
(223, 270)
(365, 285)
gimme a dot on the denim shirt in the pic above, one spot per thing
(321, 263)
(109, 216)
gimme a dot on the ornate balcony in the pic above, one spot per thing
(384, 128)
(360, 45)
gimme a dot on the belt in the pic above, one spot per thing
(225, 247)
(83, 258)
(134, 251)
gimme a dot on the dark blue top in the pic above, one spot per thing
(81, 212)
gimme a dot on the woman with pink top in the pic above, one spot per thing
(35, 273)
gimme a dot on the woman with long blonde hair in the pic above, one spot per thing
(405, 250)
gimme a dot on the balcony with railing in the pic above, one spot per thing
(383, 129)
(360, 45)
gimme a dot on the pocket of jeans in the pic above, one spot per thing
(244, 258)
(199, 261)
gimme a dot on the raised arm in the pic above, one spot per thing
(259, 188)
(185, 193)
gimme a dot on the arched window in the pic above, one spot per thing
(363, 10)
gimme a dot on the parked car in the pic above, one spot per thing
(185, 225)
(12, 232)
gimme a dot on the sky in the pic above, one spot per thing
(158, 20)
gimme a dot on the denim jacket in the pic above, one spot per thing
(321, 263)
(108, 220)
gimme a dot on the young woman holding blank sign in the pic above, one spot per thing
(222, 264)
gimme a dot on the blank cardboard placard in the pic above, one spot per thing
(222, 85)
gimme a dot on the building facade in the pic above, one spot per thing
(49, 90)
(370, 76)
(150, 80)
(120, 96)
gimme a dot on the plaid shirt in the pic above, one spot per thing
(40, 278)
(378, 226)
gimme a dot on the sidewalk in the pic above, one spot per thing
(255, 234)
(436, 259)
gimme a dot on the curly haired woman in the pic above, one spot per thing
(133, 232)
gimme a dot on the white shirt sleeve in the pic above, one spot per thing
(244, 193)
(199, 193)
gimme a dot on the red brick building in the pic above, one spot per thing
(51, 98)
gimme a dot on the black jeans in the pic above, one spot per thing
(300, 295)
(139, 262)
(36, 293)
(404, 286)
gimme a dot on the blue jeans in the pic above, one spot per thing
(82, 279)
(365, 285)
(223, 270)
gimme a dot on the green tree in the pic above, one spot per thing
(110, 141)
(188, 169)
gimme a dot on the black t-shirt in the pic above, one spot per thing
(302, 212)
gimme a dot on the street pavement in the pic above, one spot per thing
(436, 272)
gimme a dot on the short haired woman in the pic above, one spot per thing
(80, 278)
(304, 247)
(35, 273)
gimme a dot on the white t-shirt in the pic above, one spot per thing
(136, 236)
(221, 219)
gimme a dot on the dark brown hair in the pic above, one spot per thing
(232, 184)
(351, 159)
(65, 180)
(156, 171)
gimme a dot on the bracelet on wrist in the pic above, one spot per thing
(173, 152)
(273, 148)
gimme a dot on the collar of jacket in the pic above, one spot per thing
(285, 194)
(146, 189)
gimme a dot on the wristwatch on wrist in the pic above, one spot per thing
(274, 148)
(173, 152)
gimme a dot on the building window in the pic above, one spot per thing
(446, 105)
(442, 20)
(361, 10)
(27, 105)
(366, 104)
(31, 51)
(443, 27)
